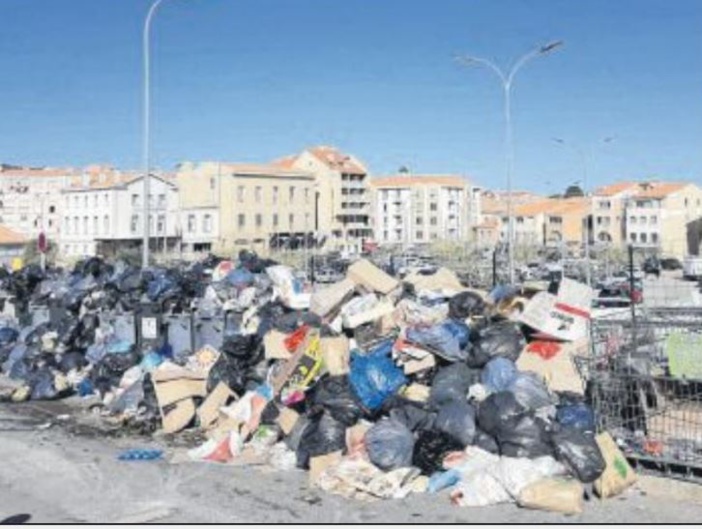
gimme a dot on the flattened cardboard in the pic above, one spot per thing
(273, 343)
(336, 354)
(169, 371)
(368, 275)
(208, 412)
(559, 372)
(287, 420)
(415, 366)
(329, 299)
(179, 416)
(176, 390)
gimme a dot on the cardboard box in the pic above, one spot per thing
(369, 276)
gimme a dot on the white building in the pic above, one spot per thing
(421, 209)
(104, 214)
(30, 199)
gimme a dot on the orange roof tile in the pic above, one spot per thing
(553, 206)
(414, 180)
(286, 162)
(658, 189)
(36, 173)
(495, 202)
(614, 189)
(335, 159)
(8, 236)
(265, 170)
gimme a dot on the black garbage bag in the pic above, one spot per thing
(253, 263)
(322, 436)
(230, 370)
(486, 441)
(519, 433)
(334, 394)
(457, 419)
(108, 372)
(452, 383)
(389, 444)
(503, 339)
(466, 305)
(413, 415)
(69, 331)
(240, 345)
(71, 361)
(530, 390)
(73, 301)
(430, 449)
(579, 451)
(149, 403)
(42, 384)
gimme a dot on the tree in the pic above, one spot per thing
(574, 191)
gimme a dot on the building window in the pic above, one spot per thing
(275, 220)
(642, 220)
(433, 206)
(240, 194)
(307, 195)
(106, 225)
(85, 225)
(212, 183)
(633, 237)
(191, 223)
(135, 201)
(686, 201)
(654, 238)
(420, 235)
(258, 194)
(275, 194)
(95, 225)
(632, 220)
(307, 220)
(76, 225)
(162, 201)
(106, 199)
(160, 224)
(419, 221)
(52, 209)
(434, 221)
(385, 235)
(292, 194)
(242, 220)
(85, 201)
(259, 220)
(643, 238)
(134, 224)
(207, 223)
(95, 201)
(291, 220)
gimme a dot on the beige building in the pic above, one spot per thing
(664, 216)
(420, 209)
(491, 228)
(608, 219)
(258, 206)
(342, 196)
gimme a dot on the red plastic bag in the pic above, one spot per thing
(293, 341)
(545, 350)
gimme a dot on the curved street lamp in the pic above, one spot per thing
(507, 80)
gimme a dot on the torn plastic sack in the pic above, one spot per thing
(43, 384)
(578, 416)
(579, 451)
(430, 449)
(439, 339)
(452, 383)
(486, 442)
(374, 377)
(503, 339)
(466, 305)
(323, 435)
(335, 395)
(498, 374)
(443, 480)
(457, 419)
(389, 445)
(8, 335)
(530, 391)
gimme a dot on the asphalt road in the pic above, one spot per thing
(66, 470)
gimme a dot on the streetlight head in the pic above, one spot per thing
(558, 140)
(464, 59)
(609, 139)
(550, 46)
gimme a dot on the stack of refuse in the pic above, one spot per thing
(379, 388)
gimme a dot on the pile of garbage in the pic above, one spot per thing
(379, 388)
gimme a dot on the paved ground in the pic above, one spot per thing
(69, 473)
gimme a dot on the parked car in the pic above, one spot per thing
(327, 275)
(671, 263)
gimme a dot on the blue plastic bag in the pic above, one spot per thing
(443, 480)
(502, 292)
(240, 278)
(578, 416)
(460, 331)
(141, 454)
(375, 377)
(498, 374)
(440, 339)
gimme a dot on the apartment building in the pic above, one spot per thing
(342, 195)
(259, 206)
(11, 248)
(491, 228)
(664, 216)
(421, 209)
(30, 199)
(103, 213)
(608, 218)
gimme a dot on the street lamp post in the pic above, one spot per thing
(585, 156)
(507, 82)
(147, 129)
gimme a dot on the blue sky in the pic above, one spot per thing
(245, 80)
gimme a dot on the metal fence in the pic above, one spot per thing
(645, 382)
